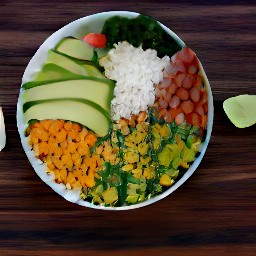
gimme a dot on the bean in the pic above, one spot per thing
(174, 102)
(188, 81)
(187, 106)
(182, 93)
(194, 94)
(179, 79)
(180, 119)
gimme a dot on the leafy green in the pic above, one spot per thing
(140, 31)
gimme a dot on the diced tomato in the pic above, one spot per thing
(198, 81)
(205, 107)
(194, 119)
(203, 96)
(204, 121)
(174, 112)
(96, 40)
(199, 109)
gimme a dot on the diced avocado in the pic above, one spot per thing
(77, 67)
(82, 111)
(110, 196)
(32, 84)
(79, 49)
(96, 91)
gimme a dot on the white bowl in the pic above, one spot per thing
(78, 28)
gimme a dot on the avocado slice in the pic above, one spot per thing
(96, 91)
(83, 68)
(33, 83)
(79, 49)
(82, 111)
(55, 72)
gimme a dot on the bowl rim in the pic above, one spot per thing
(35, 64)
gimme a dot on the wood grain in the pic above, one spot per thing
(213, 213)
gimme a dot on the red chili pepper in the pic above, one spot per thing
(96, 40)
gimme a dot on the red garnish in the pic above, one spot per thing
(96, 40)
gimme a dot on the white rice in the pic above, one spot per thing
(135, 72)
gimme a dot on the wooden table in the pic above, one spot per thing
(213, 213)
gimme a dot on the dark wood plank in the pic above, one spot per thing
(213, 213)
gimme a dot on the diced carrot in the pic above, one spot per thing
(187, 106)
(198, 81)
(194, 94)
(161, 113)
(83, 133)
(61, 136)
(193, 118)
(203, 96)
(70, 178)
(76, 127)
(63, 174)
(44, 135)
(205, 107)
(182, 93)
(54, 127)
(58, 152)
(60, 124)
(46, 124)
(36, 125)
(90, 139)
(43, 148)
(199, 109)
(96, 40)
(174, 112)
(82, 148)
(204, 121)
(68, 126)
(71, 147)
(73, 134)
(53, 146)
(65, 158)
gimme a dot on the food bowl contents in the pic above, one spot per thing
(119, 115)
(2, 130)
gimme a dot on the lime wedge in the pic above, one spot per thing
(241, 110)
